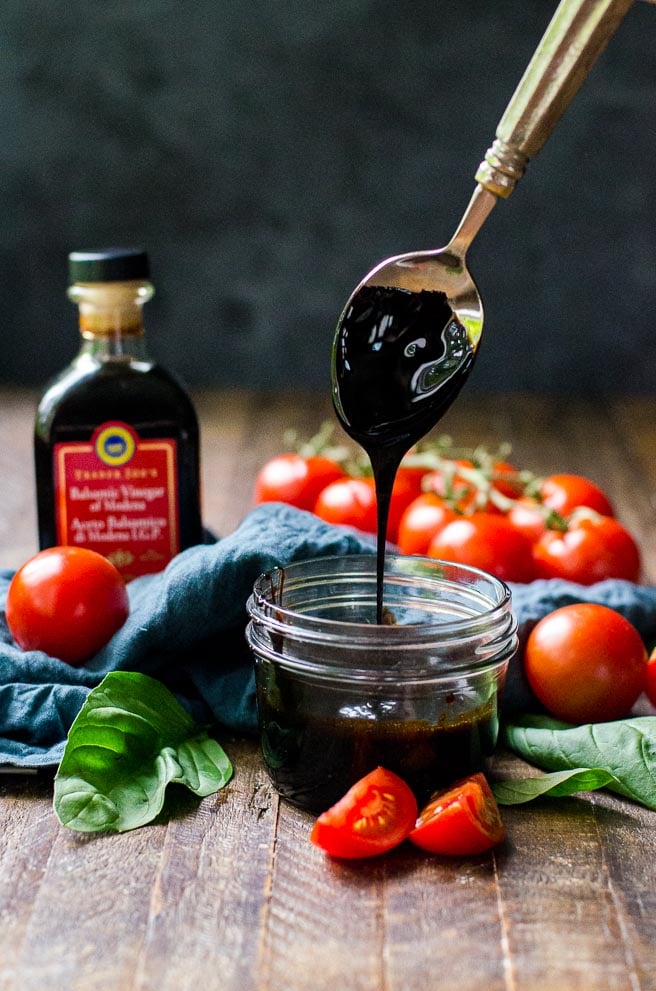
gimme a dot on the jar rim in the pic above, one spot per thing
(487, 632)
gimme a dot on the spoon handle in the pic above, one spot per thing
(577, 34)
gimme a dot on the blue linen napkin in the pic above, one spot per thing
(186, 627)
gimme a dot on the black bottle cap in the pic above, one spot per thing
(108, 265)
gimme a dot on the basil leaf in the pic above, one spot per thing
(626, 749)
(130, 739)
(557, 784)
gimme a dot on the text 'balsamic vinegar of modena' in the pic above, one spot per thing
(116, 436)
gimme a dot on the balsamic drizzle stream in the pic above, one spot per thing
(399, 360)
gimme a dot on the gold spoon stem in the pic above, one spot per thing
(576, 36)
(478, 210)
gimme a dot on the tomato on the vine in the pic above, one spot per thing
(410, 481)
(592, 549)
(448, 482)
(66, 601)
(529, 517)
(486, 541)
(566, 492)
(407, 486)
(348, 502)
(376, 814)
(468, 487)
(586, 663)
(295, 480)
(444, 504)
(461, 820)
(422, 520)
(506, 479)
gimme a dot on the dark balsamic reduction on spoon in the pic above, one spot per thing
(399, 360)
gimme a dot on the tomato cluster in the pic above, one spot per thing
(518, 527)
(472, 508)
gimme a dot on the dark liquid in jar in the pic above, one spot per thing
(313, 757)
(140, 394)
(399, 360)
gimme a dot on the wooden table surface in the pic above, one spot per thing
(227, 893)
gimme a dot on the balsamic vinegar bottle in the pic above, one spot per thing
(116, 436)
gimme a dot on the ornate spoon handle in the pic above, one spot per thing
(576, 36)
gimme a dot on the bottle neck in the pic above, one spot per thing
(111, 317)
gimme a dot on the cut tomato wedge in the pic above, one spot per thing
(375, 815)
(461, 820)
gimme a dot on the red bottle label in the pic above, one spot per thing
(117, 494)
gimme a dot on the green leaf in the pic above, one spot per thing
(557, 784)
(129, 741)
(625, 749)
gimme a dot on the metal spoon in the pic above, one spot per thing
(577, 34)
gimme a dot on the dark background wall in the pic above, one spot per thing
(268, 152)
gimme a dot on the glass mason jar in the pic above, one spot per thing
(339, 694)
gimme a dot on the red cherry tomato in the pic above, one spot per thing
(422, 519)
(374, 816)
(348, 502)
(650, 678)
(565, 493)
(586, 663)
(461, 820)
(486, 541)
(506, 479)
(411, 480)
(68, 602)
(529, 517)
(295, 480)
(407, 485)
(592, 549)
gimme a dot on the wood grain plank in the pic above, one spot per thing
(132, 910)
(635, 421)
(370, 924)
(629, 844)
(27, 835)
(443, 924)
(564, 929)
(88, 911)
(612, 444)
(603, 449)
(210, 894)
(225, 436)
(323, 925)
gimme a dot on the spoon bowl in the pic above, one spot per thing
(439, 270)
(443, 270)
(407, 339)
